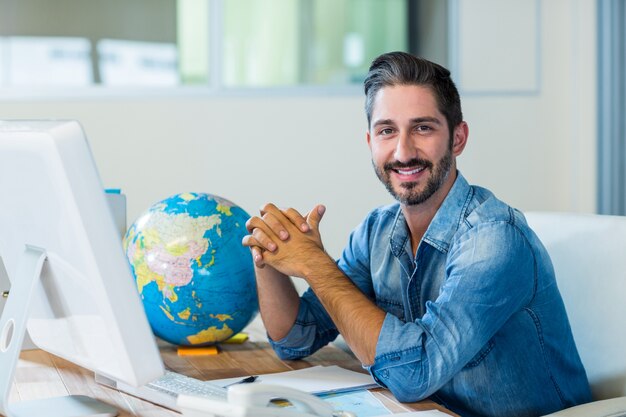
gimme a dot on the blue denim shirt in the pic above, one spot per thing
(475, 320)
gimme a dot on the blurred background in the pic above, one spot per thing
(261, 101)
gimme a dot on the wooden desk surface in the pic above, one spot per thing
(41, 375)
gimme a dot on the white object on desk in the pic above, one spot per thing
(252, 400)
(314, 380)
(71, 287)
(117, 204)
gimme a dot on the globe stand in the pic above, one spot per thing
(12, 332)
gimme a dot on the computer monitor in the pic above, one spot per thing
(71, 286)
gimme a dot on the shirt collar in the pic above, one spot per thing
(443, 226)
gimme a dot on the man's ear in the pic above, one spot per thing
(461, 133)
(368, 138)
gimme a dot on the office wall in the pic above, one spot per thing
(535, 151)
(534, 142)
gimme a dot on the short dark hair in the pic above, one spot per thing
(401, 68)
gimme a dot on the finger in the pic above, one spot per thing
(296, 218)
(257, 256)
(259, 223)
(253, 222)
(267, 208)
(315, 216)
(282, 221)
(276, 226)
(255, 250)
(263, 241)
(271, 208)
(249, 241)
(260, 239)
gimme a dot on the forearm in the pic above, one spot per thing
(356, 317)
(300, 253)
(278, 301)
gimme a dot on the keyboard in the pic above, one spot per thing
(165, 390)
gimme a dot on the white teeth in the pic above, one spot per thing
(411, 172)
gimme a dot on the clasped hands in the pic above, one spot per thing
(286, 240)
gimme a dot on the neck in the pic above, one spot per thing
(419, 216)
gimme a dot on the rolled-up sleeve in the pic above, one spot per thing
(490, 275)
(312, 330)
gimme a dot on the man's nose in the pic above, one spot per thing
(405, 148)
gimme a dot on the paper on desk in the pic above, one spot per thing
(429, 413)
(362, 403)
(314, 380)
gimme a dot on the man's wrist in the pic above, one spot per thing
(268, 273)
(318, 266)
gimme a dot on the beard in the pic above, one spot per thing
(409, 194)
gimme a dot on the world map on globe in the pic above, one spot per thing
(195, 278)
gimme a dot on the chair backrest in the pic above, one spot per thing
(589, 256)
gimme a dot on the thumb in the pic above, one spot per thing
(315, 216)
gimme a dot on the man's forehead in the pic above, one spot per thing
(405, 102)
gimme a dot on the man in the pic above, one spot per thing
(447, 293)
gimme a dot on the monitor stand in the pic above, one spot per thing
(12, 332)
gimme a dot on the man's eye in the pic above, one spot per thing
(423, 128)
(386, 131)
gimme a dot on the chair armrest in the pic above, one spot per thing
(615, 407)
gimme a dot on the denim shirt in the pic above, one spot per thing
(475, 320)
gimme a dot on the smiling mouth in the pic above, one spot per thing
(408, 168)
(409, 171)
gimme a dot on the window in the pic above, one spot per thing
(219, 43)
(308, 42)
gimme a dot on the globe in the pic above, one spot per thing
(195, 278)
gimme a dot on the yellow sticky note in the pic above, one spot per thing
(197, 351)
(238, 338)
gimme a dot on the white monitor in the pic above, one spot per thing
(71, 286)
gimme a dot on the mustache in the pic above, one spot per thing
(413, 163)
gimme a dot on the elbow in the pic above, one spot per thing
(406, 394)
(286, 356)
(408, 383)
(290, 354)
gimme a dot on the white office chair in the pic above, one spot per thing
(589, 257)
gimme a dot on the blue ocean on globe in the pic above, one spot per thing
(195, 278)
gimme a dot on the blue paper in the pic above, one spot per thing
(362, 403)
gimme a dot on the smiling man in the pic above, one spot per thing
(446, 294)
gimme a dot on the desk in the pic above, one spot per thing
(41, 375)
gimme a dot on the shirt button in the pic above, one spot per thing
(384, 374)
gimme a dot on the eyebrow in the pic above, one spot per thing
(426, 119)
(383, 122)
(415, 120)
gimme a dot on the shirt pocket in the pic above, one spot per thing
(391, 306)
(481, 355)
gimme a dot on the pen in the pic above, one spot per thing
(245, 380)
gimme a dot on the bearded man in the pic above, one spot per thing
(447, 293)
